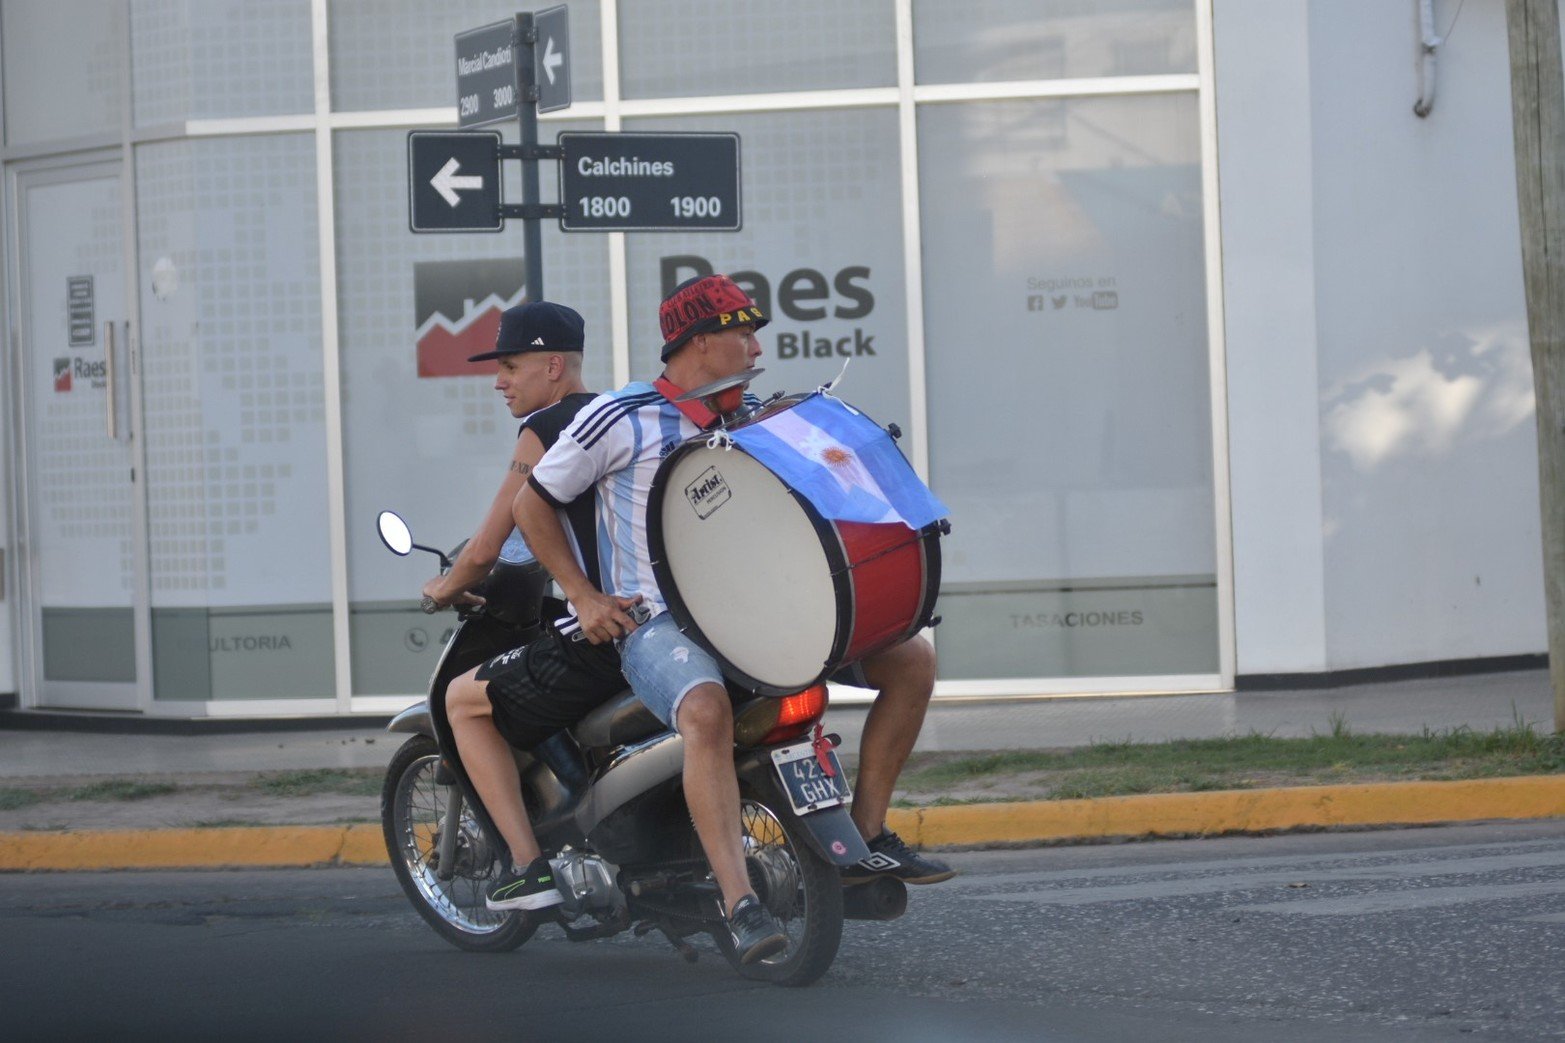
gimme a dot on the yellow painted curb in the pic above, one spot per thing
(194, 848)
(1161, 814)
(1230, 811)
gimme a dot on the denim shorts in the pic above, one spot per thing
(663, 665)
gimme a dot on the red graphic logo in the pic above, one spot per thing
(459, 305)
(62, 374)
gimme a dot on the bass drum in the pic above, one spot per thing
(782, 595)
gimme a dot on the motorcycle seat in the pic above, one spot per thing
(621, 720)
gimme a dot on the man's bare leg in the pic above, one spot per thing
(706, 720)
(490, 765)
(905, 677)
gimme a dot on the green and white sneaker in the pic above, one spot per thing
(532, 888)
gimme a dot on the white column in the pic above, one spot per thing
(1265, 170)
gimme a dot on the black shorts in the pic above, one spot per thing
(540, 688)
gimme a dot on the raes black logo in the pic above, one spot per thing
(73, 368)
(708, 492)
(801, 295)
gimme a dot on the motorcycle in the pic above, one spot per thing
(607, 795)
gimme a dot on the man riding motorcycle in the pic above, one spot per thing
(522, 697)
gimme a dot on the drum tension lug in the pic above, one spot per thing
(894, 431)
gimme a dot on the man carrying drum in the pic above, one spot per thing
(615, 447)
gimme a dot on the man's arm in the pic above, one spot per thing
(603, 617)
(483, 549)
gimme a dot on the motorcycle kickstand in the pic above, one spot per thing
(686, 951)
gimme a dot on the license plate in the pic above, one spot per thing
(808, 787)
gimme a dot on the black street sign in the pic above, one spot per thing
(454, 181)
(649, 182)
(486, 75)
(552, 58)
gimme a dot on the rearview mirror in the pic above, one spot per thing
(394, 533)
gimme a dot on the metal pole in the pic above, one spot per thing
(523, 38)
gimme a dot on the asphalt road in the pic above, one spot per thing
(1454, 933)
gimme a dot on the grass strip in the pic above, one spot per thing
(13, 799)
(353, 782)
(120, 789)
(1242, 762)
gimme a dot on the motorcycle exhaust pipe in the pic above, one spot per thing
(883, 898)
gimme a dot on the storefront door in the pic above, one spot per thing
(84, 537)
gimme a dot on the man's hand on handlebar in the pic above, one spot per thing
(605, 617)
(435, 599)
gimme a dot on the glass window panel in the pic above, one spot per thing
(821, 248)
(220, 59)
(1068, 385)
(401, 54)
(694, 48)
(987, 41)
(424, 433)
(234, 408)
(64, 66)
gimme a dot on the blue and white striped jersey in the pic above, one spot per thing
(616, 443)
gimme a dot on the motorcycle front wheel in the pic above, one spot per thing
(802, 890)
(413, 808)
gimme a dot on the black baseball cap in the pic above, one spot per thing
(537, 326)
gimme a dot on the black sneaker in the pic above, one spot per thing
(890, 855)
(755, 934)
(532, 888)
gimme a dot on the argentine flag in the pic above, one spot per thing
(844, 463)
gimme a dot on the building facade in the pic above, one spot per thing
(1216, 351)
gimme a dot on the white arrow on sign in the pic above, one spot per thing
(446, 181)
(551, 59)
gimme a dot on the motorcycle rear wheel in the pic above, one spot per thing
(412, 813)
(802, 890)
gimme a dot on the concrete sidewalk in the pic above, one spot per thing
(241, 826)
(1479, 701)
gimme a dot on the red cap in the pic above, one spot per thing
(702, 305)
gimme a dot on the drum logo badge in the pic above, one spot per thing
(708, 492)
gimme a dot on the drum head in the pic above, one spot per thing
(747, 566)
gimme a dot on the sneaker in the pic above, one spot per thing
(890, 855)
(532, 888)
(755, 934)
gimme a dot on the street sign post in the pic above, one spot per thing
(486, 75)
(454, 181)
(609, 182)
(552, 55)
(614, 182)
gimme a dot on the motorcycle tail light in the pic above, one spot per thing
(795, 714)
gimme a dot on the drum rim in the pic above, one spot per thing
(836, 560)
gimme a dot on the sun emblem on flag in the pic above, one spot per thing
(836, 456)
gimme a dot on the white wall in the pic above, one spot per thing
(1383, 448)
(1429, 453)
